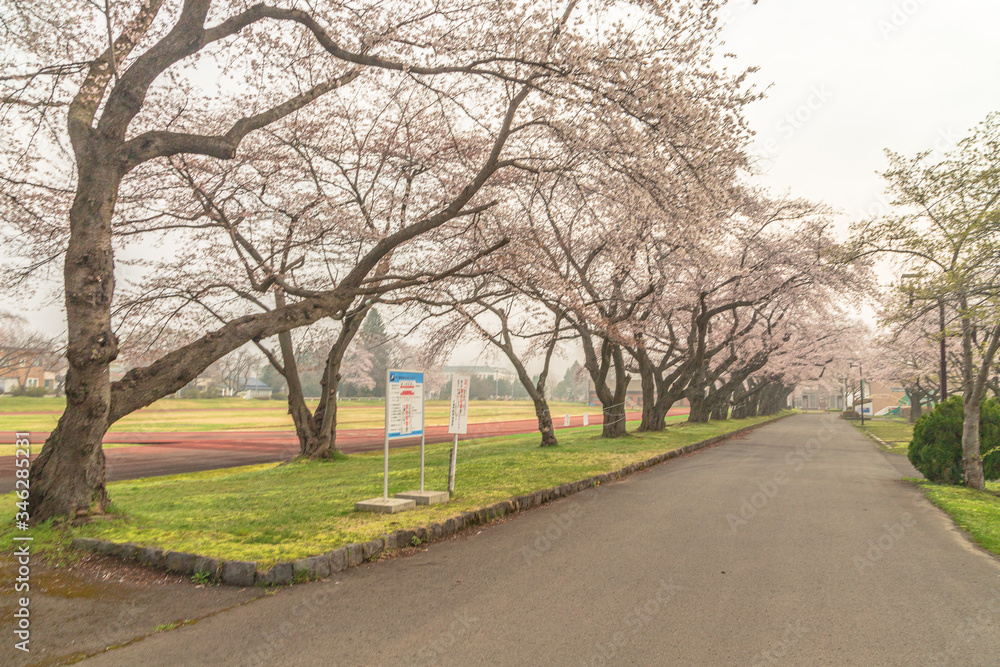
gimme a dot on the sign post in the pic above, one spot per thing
(405, 419)
(458, 421)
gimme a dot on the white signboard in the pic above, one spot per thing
(404, 407)
(458, 422)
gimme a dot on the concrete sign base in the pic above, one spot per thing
(425, 497)
(385, 505)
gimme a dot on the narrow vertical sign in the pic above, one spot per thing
(458, 422)
(404, 410)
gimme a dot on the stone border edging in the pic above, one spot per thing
(245, 573)
(884, 446)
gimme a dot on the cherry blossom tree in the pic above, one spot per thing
(95, 109)
(944, 234)
(491, 310)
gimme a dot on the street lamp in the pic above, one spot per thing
(861, 377)
(943, 362)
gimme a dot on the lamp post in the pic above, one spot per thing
(943, 361)
(861, 378)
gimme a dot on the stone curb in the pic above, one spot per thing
(878, 441)
(246, 573)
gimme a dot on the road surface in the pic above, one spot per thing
(796, 544)
(180, 452)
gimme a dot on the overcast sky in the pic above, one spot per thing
(846, 80)
(851, 78)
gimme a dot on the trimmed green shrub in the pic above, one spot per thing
(849, 414)
(936, 448)
(30, 392)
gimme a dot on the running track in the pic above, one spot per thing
(180, 452)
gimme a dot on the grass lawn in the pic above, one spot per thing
(977, 512)
(279, 512)
(222, 414)
(897, 433)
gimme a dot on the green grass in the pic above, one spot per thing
(977, 512)
(278, 512)
(896, 433)
(222, 414)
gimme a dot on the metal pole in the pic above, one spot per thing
(944, 359)
(861, 373)
(451, 466)
(423, 430)
(385, 455)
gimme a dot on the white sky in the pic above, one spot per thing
(849, 78)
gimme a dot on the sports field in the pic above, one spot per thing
(237, 414)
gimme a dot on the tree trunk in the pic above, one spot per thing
(536, 391)
(323, 444)
(667, 393)
(700, 412)
(651, 418)
(600, 367)
(916, 407)
(972, 461)
(614, 421)
(614, 414)
(974, 388)
(656, 419)
(545, 426)
(67, 478)
(721, 410)
(317, 431)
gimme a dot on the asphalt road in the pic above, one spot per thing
(795, 544)
(179, 452)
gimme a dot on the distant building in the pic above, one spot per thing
(633, 396)
(884, 399)
(880, 398)
(29, 368)
(254, 388)
(816, 397)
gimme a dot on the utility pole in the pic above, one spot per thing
(943, 362)
(861, 373)
(944, 358)
(861, 387)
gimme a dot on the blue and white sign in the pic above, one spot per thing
(404, 404)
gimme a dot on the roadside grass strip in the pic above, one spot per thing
(977, 512)
(280, 512)
(896, 434)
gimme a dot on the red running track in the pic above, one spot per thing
(191, 451)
